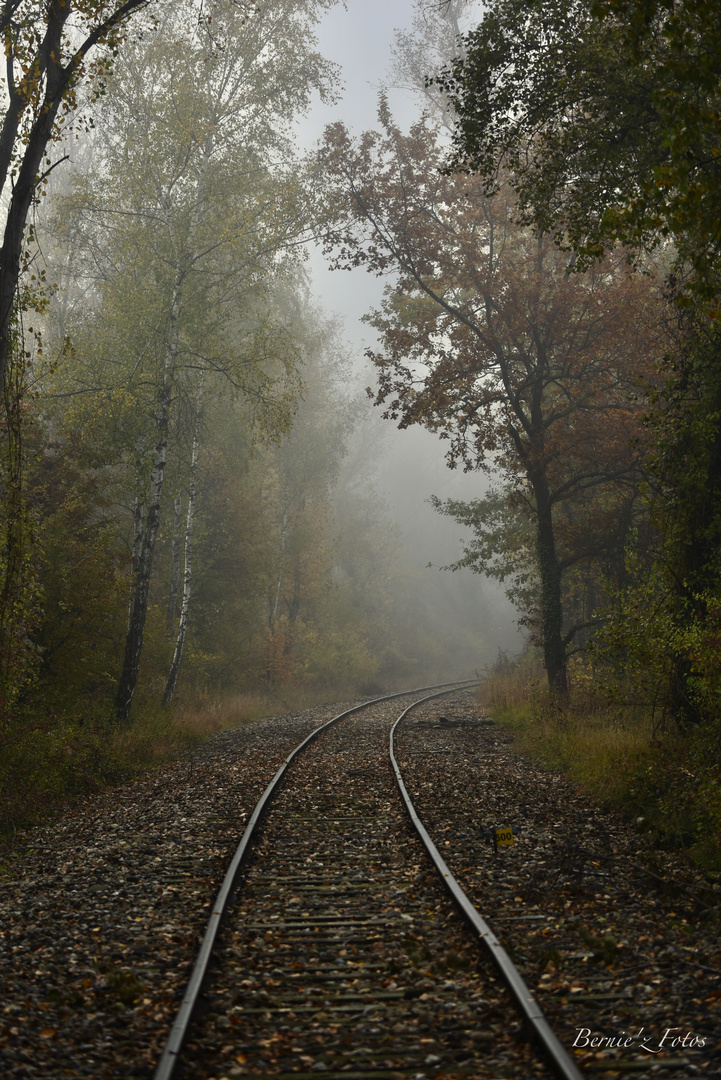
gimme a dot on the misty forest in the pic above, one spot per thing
(210, 505)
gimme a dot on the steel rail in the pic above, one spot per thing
(555, 1052)
(184, 1016)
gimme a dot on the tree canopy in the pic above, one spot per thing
(604, 117)
(605, 114)
(58, 54)
(488, 341)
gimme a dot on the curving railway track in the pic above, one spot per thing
(342, 954)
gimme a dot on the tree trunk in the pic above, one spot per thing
(141, 576)
(273, 613)
(137, 549)
(554, 648)
(142, 571)
(23, 185)
(137, 534)
(175, 571)
(14, 606)
(31, 151)
(141, 584)
(12, 245)
(187, 574)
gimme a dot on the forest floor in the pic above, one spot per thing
(101, 911)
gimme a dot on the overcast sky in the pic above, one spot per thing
(358, 37)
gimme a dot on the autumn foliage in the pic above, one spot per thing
(527, 369)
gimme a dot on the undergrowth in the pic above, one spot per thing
(620, 752)
(46, 764)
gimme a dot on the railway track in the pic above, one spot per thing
(614, 962)
(342, 954)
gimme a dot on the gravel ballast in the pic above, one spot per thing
(101, 912)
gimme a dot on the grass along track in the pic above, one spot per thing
(610, 952)
(101, 913)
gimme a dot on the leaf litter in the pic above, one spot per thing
(102, 911)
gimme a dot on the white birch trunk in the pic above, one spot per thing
(175, 571)
(188, 567)
(137, 547)
(141, 575)
(141, 583)
(273, 613)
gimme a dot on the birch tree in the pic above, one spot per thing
(188, 562)
(191, 203)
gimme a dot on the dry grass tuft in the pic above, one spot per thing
(609, 742)
(205, 716)
(44, 767)
(597, 743)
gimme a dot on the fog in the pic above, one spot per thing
(217, 500)
(360, 37)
